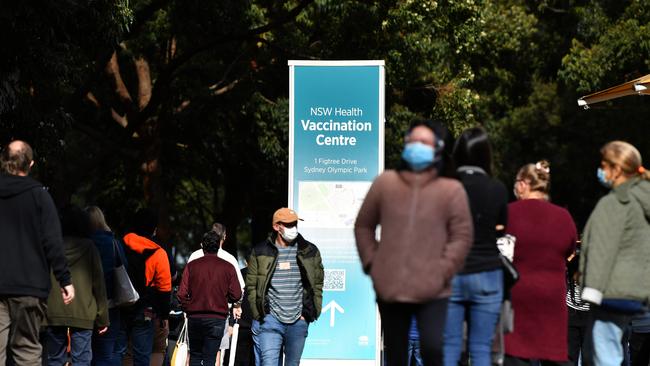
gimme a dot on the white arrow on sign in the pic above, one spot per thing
(332, 305)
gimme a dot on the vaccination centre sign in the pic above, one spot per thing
(336, 149)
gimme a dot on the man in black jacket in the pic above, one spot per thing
(30, 243)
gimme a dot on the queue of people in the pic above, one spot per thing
(48, 249)
(571, 307)
(579, 301)
(50, 253)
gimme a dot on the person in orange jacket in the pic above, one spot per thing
(149, 270)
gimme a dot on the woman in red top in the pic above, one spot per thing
(546, 236)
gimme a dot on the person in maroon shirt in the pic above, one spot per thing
(546, 236)
(208, 285)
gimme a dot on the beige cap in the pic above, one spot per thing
(285, 215)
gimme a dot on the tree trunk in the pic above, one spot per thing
(234, 206)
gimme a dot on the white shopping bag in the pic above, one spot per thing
(233, 344)
(181, 350)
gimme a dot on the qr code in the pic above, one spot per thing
(334, 280)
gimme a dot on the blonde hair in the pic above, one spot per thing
(625, 156)
(97, 220)
(537, 175)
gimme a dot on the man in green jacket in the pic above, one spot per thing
(285, 289)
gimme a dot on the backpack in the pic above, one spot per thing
(137, 268)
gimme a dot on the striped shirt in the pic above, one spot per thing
(573, 298)
(285, 292)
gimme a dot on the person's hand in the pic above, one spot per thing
(230, 328)
(576, 276)
(102, 330)
(236, 312)
(164, 323)
(68, 294)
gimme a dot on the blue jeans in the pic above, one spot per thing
(139, 332)
(80, 350)
(257, 353)
(475, 297)
(105, 347)
(204, 338)
(414, 353)
(606, 336)
(271, 335)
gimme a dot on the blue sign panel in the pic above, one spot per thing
(336, 150)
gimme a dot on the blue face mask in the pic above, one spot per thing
(602, 178)
(418, 155)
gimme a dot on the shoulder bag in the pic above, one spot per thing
(124, 294)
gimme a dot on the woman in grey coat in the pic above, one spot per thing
(616, 250)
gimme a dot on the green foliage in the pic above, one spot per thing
(397, 122)
(47, 51)
(215, 123)
(608, 49)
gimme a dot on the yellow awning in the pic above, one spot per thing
(640, 86)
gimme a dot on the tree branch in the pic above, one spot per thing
(184, 104)
(113, 70)
(144, 82)
(142, 16)
(164, 78)
(225, 89)
(90, 97)
(107, 145)
(288, 17)
(121, 120)
(555, 10)
(228, 71)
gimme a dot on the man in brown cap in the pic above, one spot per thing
(285, 289)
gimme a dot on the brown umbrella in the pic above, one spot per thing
(640, 86)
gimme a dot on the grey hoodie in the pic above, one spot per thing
(615, 259)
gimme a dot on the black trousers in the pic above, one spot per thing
(578, 336)
(205, 337)
(639, 349)
(396, 322)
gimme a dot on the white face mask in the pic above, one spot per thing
(289, 234)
